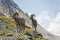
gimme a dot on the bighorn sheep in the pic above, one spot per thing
(34, 21)
(20, 22)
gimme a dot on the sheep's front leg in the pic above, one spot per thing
(23, 27)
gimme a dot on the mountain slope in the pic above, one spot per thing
(8, 7)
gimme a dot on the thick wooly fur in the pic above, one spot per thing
(34, 22)
(20, 22)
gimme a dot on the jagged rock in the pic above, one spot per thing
(36, 34)
(3, 26)
(11, 38)
(29, 37)
(40, 35)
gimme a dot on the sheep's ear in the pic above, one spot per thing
(34, 15)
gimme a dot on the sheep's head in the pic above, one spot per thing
(15, 15)
(32, 15)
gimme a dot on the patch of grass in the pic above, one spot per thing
(36, 38)
(21, 36)
(3, 37)
(29, 30)
(10, 23)
(39, 38)
(9, 32)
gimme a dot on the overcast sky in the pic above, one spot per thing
(47, 13)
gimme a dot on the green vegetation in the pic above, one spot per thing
(11, 25)
(36, 38)
(3, 37)
(39, 38)
(29, 30)
(21, 35)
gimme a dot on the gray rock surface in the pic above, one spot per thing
(2, 25)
